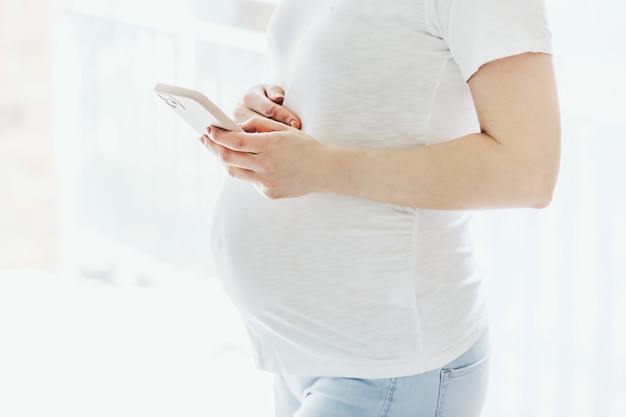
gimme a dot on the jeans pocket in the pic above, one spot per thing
(462, 390)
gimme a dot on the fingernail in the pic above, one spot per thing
(208, 130)
(295, 124)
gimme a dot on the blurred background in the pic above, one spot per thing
(108, 301)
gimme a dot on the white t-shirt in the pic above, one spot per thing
(342, 286)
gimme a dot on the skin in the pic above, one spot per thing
(512, 162)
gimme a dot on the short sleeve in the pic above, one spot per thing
(480, 31)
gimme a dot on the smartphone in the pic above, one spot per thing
(195, 108)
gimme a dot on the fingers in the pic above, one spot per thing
(234, 161)
(240, 142)
(243, 113)
(274, 93)
(266, 101)
(262, 124)
(241, 151)
(254, 140)
(245, 142)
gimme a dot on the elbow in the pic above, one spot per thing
(532, 185)
(541, 191)
(539, 177)
(541, 199)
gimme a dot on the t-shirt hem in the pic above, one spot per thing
(375, 369)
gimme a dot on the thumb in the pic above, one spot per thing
(275, 93)
(262, 124)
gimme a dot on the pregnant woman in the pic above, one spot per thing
(342, 234)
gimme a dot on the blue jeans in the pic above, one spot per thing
(456, 390)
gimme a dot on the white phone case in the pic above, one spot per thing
(195, 108)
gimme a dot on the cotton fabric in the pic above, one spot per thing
(341, 286)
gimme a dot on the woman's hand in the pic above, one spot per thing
(266, 101)
(280, 160)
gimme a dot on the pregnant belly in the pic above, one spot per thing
(293, 252)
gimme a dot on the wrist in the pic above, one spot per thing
(338, 170)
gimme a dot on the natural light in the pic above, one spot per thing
(109, 305)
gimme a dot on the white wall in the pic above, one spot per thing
(136, 195)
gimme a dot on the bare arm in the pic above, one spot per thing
(512, 163)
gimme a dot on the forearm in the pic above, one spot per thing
(471, 172)
(513, 163)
